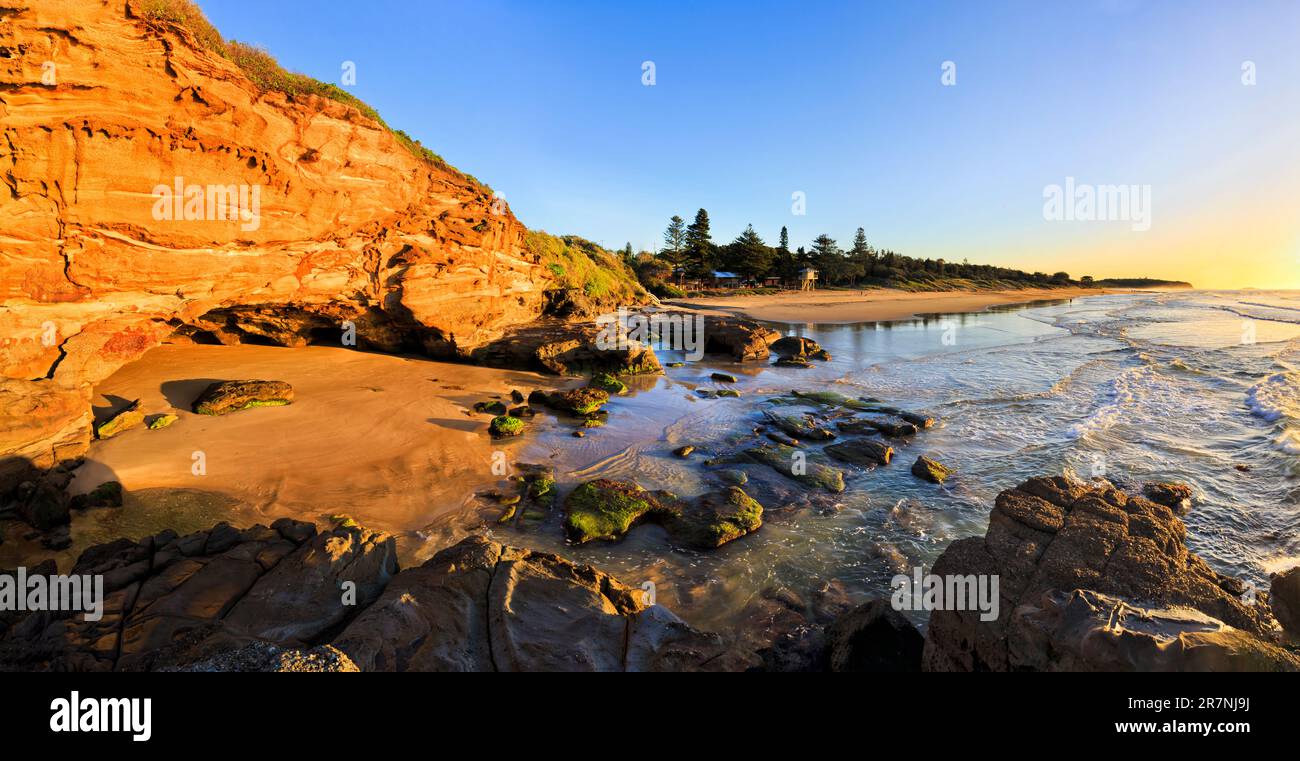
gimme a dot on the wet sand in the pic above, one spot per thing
(391, 441)
(879, 305)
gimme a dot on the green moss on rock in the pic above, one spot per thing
(607, 382)
(504, 426)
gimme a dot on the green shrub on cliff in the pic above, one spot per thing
(578, 264)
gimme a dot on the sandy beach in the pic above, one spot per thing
(391, 441)
(881, 305)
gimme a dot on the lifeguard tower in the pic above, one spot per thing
(807, 279)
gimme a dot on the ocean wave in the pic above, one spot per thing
(1276, 399)
(1123, 391)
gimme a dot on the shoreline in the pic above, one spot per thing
(874, 305)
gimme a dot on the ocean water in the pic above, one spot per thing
(1200, 387)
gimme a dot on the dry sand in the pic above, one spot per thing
(391, 441)
(882, 305)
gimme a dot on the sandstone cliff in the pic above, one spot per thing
(104, 103)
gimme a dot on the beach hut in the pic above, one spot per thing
(725, 279)
(807, 279)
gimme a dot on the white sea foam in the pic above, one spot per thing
(1276, 399)
(1122, 392)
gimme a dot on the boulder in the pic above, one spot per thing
(799, 427)
(723, 377)
(504, 427)
(107, 494)
(742, 339)
(159, 422)
(578, 401)
(607, 510)
(888, 426)
(44, 504)
(1083, 631)
(608, 383)
(1284, 597)
(928, 470)
(1175, 496)
(789, 361)
(225, 397)
(874, 638)
(483, 606)
(796, 464)
(1060, 535)
(124, 420)
(864, 452)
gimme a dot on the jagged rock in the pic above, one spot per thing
(225, 397)
(874, 638)
(160, 422)
(1284, 597)
(928, 470)
(1175, 496)
(266, 657)
(1057, 534)
(799, 427)
(1086, 631)
(607, 510)
(126, 419)
(743, 340)
(864, 452)
(483, 606)
(171, 600)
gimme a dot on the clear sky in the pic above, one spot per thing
(754, 101)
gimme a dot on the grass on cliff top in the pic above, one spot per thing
(267, 73)
(580, 264)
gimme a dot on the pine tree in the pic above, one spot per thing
(749, 256)
(675, 240)
(699, 248)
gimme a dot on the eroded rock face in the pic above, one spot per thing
(482, 606)
(349, 225)
(1056, 535)
(1284, 597)
(744, 340)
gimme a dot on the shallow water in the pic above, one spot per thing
(1130, 387)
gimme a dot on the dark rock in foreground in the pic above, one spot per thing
(482, 606)
(928, 470)
(265, 657)
(232, 396)
(607, 510)
(1284, 596)
(1175, 496)
(1051, 536)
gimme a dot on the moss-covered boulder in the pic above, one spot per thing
(716, 518)
(490, 408)
(928, 470)
(728, 393)
(605, 509)
(607, 382)
(888, 426)
(504, 427)
(129, 418)
(723, 377)
(796, 464)
(834, 399)
(790, 361)
(578, 401)
(159, 422)
(232, 396)
(107, 494)
(799, 427)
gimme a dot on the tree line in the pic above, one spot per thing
(690, 250)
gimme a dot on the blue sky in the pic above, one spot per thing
(754, 101)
